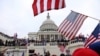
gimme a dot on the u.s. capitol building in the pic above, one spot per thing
(49, 39)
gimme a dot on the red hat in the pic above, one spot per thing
(84, 52)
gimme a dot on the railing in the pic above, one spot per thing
(44, 43)
(13, 47)
(53, 43)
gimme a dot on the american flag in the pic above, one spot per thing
(40, 6)
(71, 25)
(94, 37)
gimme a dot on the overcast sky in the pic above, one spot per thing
(17, 16)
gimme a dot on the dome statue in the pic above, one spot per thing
(48, 25)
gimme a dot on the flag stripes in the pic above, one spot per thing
(94, 37)
(70, 26)
(49, 5)
(77, 26)
(90, 40)
(34, 6)
(40, 6)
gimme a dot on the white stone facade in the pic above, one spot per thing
(46, 39)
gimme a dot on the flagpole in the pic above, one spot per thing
(94, 18)
(88, 16)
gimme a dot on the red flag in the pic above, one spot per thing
(40, 6)
(71, 25)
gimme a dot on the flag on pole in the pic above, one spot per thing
(95, 36)
(26, 42)
(71, 25)
(15, 39)
(40, 6)
(15, 35)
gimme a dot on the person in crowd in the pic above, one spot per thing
(54, 55)
(35, 54)
(1, 42)
(38, 54)
(47, 53)
(1, 54)
(84, 52)
(3, 50)
(62, 54)
(93, 50)
(68, 53)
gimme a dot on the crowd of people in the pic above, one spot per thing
(47, 53)
(92, 50)
(13, 43)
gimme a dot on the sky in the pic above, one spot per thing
(16, 16)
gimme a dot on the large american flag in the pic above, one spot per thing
(71, 25)
(40, 6)
(94, 37)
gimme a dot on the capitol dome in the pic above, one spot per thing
(48, 25)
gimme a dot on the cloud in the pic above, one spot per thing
(14, 15)
(17, 15)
